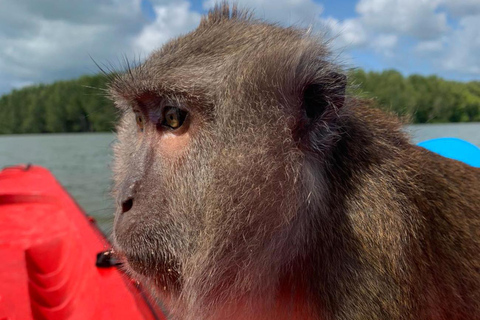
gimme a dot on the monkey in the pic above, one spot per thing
(250, 184)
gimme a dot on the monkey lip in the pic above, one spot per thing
(162, 272)
(119, 255)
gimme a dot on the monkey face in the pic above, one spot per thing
(211, 180)
(215, 188)
(158, 210)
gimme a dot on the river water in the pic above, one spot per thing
(81, 162)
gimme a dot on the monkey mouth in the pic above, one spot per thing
(163, 273)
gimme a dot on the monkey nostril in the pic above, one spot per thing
(127, 205)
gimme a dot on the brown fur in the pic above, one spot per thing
(259, 210)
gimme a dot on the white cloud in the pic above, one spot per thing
(380, 24)
(456, 52)
(390, 28)
(430, 47)
(352, 34)
(385, 44)
(462, 8)
(463, 48)
(171, 20)
(347, 34)
(415, 18)
(46, 40)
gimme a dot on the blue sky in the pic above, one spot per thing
(48, 40)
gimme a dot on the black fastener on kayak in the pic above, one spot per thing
(106, 259)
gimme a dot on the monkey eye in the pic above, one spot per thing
(173, 117)
(139, 120)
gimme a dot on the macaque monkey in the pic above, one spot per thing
(249, 185)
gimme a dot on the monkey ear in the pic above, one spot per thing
(320, 97)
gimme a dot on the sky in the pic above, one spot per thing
(48, 40)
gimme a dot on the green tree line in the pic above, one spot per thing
(421, 99)
(80, 105)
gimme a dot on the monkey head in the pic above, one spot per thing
(219, 144)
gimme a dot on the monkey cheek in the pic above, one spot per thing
(173, 146)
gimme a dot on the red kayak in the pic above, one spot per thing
(49, 268)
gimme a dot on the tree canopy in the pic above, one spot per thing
(421, 99)
(80, 105)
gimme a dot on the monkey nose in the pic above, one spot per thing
(127, 205)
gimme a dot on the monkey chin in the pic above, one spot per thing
(160, 273)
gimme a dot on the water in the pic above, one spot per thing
(81, 162)
(465, 131)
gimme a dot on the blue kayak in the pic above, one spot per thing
(454, 148)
